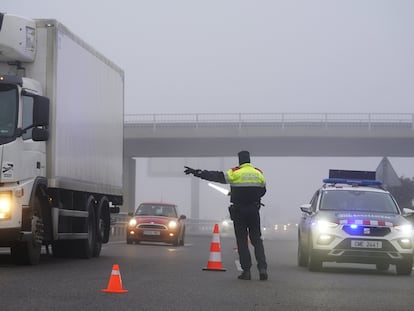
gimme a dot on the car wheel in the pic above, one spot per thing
(315, 262)
(302, 255)
(405, 267)
(382, 266)
(129, 241)
(182, 239)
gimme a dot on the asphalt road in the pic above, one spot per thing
(163, 277)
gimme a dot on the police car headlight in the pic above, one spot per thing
(323, 225)
(325, 239)
(407, 229)
(132, 222)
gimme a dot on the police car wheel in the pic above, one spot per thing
(315, 262)
(405, 267)
(302, 255)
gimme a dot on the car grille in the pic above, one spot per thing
(366, 231)
(152, 226)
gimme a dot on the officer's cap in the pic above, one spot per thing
(244, 157)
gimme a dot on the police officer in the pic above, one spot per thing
(247, 186)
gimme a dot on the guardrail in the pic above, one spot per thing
(193, 226)
(277, 118)
(199, 227)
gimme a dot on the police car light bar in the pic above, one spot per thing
(346, 174)
(357, 178)
(357, 182)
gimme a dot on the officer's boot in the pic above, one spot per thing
(245, 275)
(263, 274)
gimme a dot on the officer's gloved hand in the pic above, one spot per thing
(189, 170)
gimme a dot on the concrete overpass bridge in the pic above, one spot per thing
(265, 134)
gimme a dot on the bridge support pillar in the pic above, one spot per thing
(195, 198)
(129, 175)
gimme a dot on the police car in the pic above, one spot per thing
(352, 219)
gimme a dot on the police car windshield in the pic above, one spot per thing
(344, 200)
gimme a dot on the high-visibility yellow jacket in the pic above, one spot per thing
(247, 183)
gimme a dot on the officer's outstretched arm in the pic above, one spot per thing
(216, 176)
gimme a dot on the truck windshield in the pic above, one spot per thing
(8, 110)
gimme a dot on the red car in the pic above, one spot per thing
(156, 222)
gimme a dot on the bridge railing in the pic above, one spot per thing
(280, 119)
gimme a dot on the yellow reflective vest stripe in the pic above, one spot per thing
(245, 175)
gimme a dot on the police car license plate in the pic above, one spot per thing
(151, 232)
(366, 244)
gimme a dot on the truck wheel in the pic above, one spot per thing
(61, 249)
(102, 226)
(383, 266)
(85, 247)
(25, 253)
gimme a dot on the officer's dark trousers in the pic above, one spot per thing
(246, 221)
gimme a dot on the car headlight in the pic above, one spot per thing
(407, 229)
(172, 224)
(323, 225)
(132, 222)
(5, 204)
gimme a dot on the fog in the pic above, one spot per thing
(284, 56)
(291, 181)
(241, 56)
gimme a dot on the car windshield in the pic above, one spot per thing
(369, 201)
(156, 210)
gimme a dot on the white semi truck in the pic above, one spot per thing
(61, 141)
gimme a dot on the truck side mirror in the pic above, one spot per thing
(40, 134)
(40, 111)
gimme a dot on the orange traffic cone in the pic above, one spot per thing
(115, 282)
(214, 261)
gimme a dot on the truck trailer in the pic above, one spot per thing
(61, 141)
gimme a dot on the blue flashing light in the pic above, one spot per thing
(358, 182)
(353, 226)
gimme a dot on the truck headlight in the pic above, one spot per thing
(132, 222)
(5, 204)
